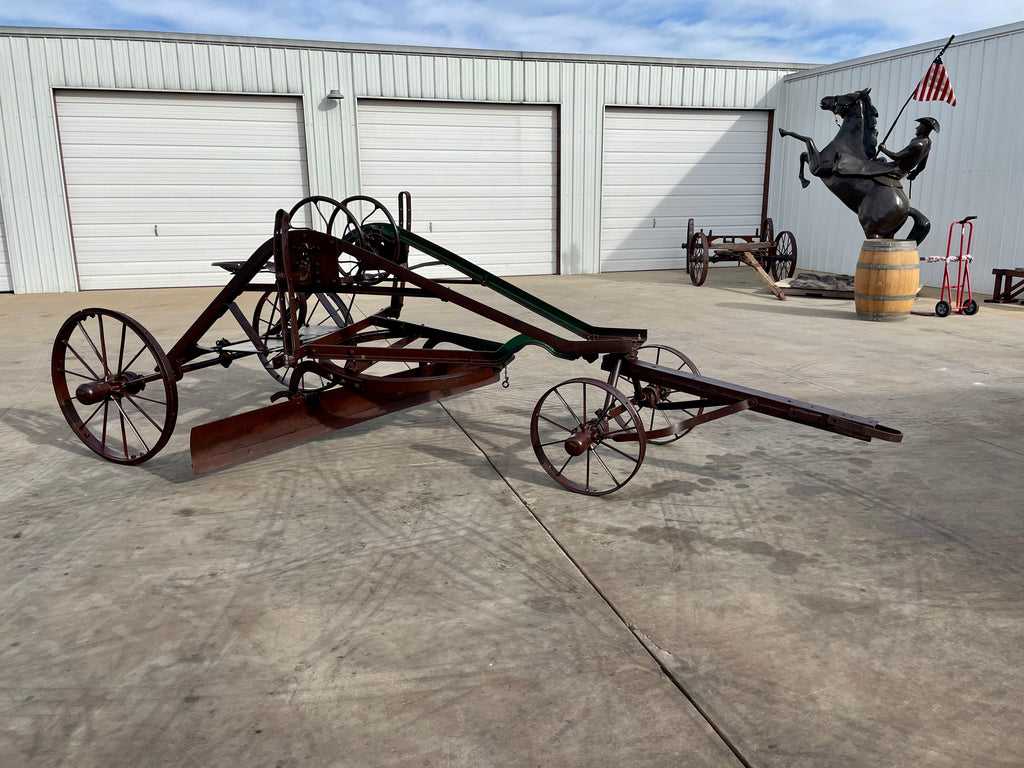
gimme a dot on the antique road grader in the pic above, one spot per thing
(117, 388)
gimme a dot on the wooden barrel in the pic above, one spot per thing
(886, 281)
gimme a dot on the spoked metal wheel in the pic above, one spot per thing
(326, 214)
(767, 230)
(317, 313)
(588, 436)
(384, 242)
(652, 395)
(784, 256)
(700, 253)
(114, 384)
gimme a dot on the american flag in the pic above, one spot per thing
(935, 85)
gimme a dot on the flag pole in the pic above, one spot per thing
(907, 102)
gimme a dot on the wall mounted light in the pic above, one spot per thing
(335, 94)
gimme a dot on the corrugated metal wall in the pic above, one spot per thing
(975, 167)
(34, 62)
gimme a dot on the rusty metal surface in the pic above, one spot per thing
(589, 435)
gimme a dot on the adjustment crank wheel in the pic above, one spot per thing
(114, 385)
(588, 436)
(381, 237)
(651, 396)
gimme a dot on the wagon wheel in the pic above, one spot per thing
(650, 395)
(334, 218)
(313, 310)
(125, 400)
(768, 230)
(689, 239)
(378, 240)
(574, 429)
(697, 264)
(784, 256)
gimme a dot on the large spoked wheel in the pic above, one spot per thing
(784, 259)
(651, 396)
(588, 436)
(767, 230)
(700, 253)
(114, 384)
(317, 313)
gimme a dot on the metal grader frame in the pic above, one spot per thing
(117, 388)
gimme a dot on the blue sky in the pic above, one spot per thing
(818, 31)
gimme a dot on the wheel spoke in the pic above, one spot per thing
(82, 361)
(131, 424)
(579, 422)
(88, 338)
(103, 346)
(601, 462)
(139, 408)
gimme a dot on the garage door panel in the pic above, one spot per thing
(160, 185)
(483, 177)
(663, 167)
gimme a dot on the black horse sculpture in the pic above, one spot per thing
(848, 168)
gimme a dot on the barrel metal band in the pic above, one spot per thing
(888, 266)
(883, 298)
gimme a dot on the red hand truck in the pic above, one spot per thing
(963, 302)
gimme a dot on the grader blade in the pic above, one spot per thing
(266, 430)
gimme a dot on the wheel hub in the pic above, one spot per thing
(92, 392)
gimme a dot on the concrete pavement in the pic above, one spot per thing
(416, 591)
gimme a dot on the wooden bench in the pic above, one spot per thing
(1009, 285)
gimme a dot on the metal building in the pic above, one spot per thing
(976, 165)
(136, 159)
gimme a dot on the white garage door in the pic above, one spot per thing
(161, 185)
(663, 167)
(483, 177)
(5, 266)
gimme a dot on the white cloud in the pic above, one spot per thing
(752, 30)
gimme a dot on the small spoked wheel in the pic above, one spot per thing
(651, 396)
(784, 256)
(699, 255)
(588, 436)
(942, 308)
(114, 384)
(317, 313)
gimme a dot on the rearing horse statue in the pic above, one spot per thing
(848, 168)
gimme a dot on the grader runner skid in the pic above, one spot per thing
(118, 389)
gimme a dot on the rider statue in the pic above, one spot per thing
(906, 163)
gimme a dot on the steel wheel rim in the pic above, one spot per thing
(592, 413)
(125, 399)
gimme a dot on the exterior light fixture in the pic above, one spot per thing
(335, 94)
